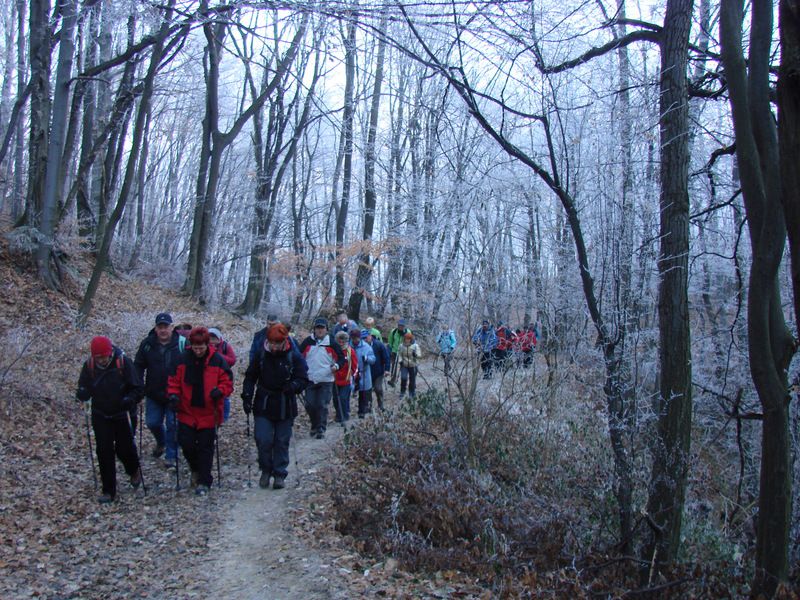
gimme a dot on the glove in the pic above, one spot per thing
(128, 402)
(247, 403)
(82, 395)
(216, 394)
(287, 388)
(173, 400)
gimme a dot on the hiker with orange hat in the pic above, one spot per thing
(274, 377)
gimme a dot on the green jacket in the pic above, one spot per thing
(396, 338)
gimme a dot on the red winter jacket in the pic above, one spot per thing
(344, 376)
(216, 374)
(505, 338)
(528, 341)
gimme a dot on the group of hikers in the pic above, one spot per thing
(184, 375)
(500, 347)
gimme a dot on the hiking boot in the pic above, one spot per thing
(263, 482)
(105, 499)
(320, 434)
(313, 432)
(195, 479)
(169, 464)
(158, 451)
(136, 478)
(201, 490)
(278, 484)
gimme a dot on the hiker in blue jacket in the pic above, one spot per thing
(447, 345)
(485, 340)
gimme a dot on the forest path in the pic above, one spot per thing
(258, 555)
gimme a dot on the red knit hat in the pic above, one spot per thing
(277, 333)
(199, 335)
(101, 346)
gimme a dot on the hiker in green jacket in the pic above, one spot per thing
(394, 340)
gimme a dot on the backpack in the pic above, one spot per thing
(290, 354)
(181, 345)
(119, 361)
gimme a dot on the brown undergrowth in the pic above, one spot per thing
(504, 519)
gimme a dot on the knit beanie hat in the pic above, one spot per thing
(101, 346)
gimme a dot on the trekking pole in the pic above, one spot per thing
(177, 451)
(249, 462)
(141, 423)
(138, 450)
(89, 440)
(216, 445)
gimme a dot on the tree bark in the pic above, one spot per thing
(347, 172)
(674, 404)
(39, 55)
(364, 271)
(770, 345)
(56, 141)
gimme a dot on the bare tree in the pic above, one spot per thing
(364, 271)
(770, 344)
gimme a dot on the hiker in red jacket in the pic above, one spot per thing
(196, 391)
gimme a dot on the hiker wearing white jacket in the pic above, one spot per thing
(324, 359)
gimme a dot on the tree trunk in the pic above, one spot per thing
(770, 345)
(86, 222)
(674, 404)
(364, 271)
(19, 147)
(347, 173)
(39, 44)
(141, 182)
(56, 142)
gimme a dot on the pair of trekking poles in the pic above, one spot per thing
(138, 451)
(177, 454)
(86, 411)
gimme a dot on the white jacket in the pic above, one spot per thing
(320, 357)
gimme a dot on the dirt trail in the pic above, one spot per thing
(258, 555)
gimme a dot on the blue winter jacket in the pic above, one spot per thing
(365, 357)
(486, 340)
(446, 341)
(383, 360)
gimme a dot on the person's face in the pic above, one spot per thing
(199, 348)
(343, 318)
(485, 326)
(164, 331)
(275, 346)
(102, 360)
(213, 340)
(319, 332)
(343, 342)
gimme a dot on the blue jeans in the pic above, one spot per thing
(318, 396)
(342, 402)
(272, 441)
(155, 416)
(226, 409)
